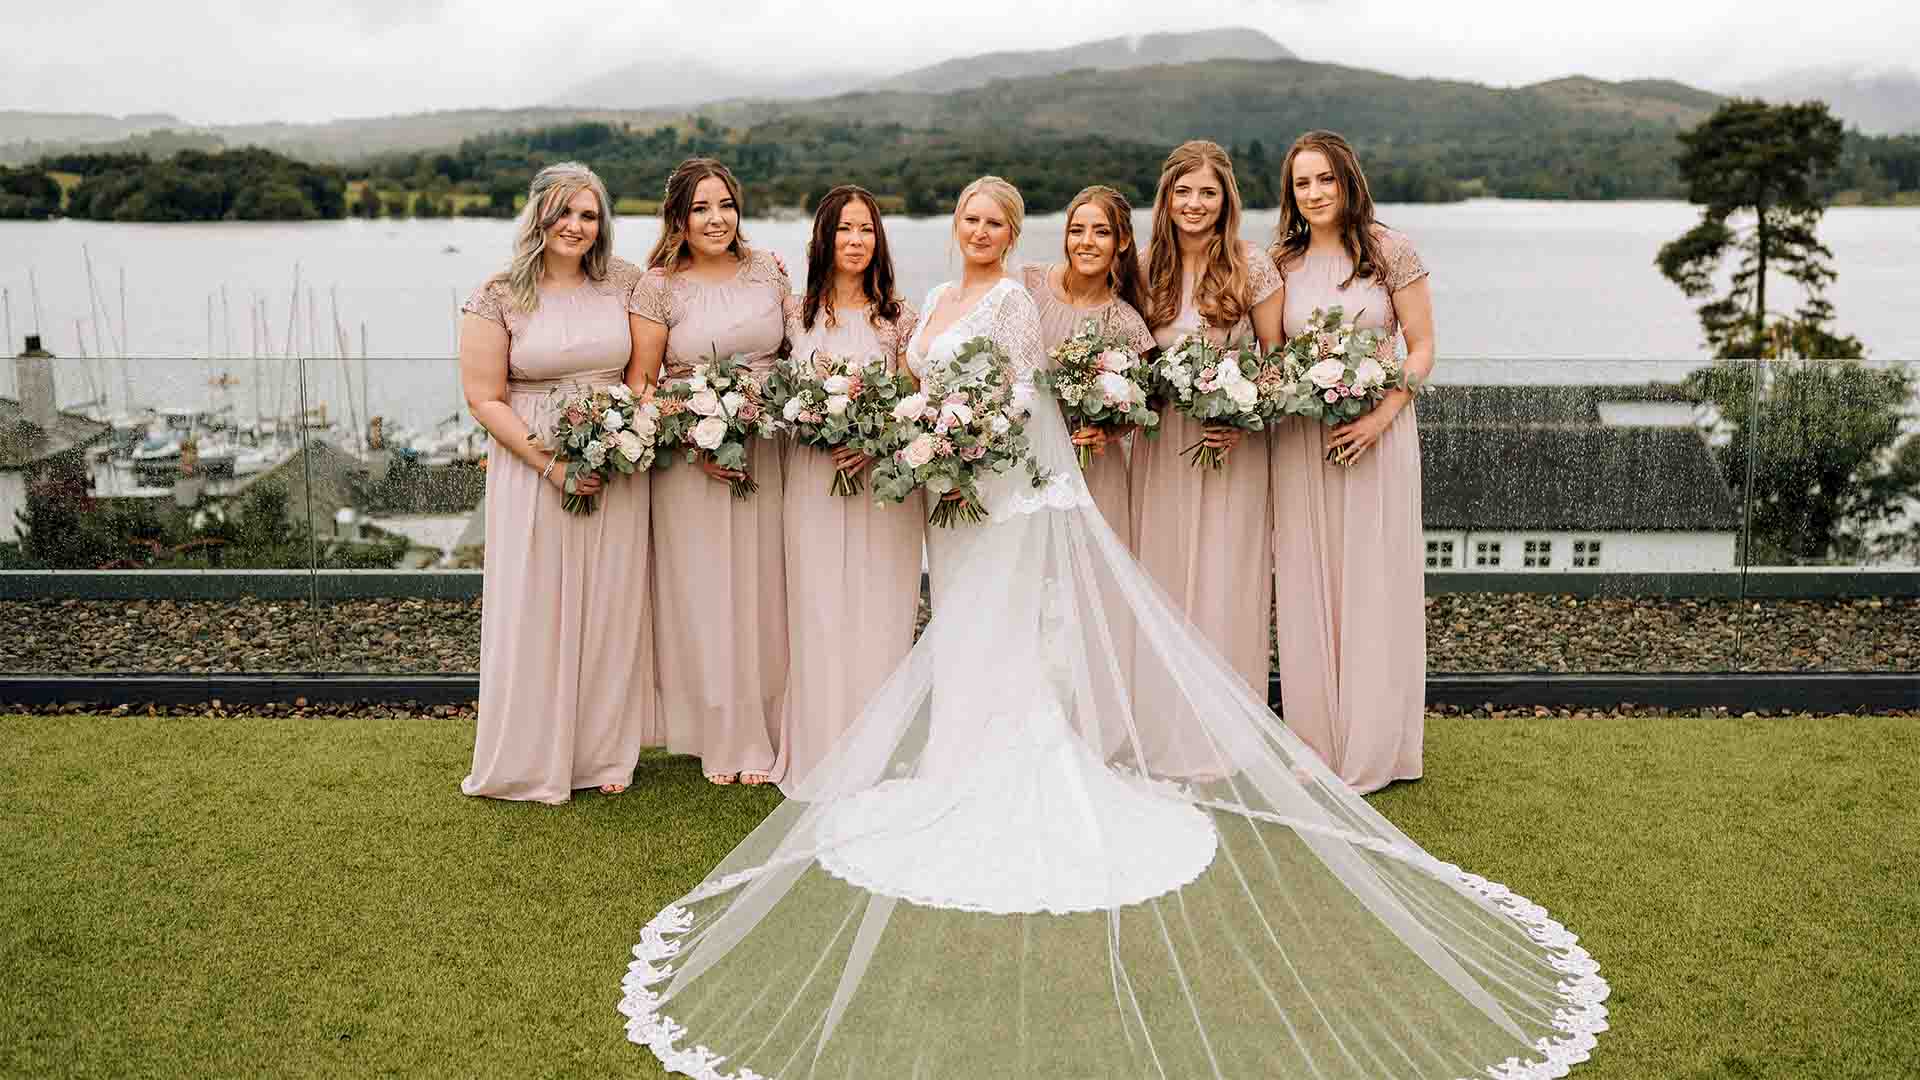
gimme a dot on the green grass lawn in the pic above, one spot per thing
(198, 896)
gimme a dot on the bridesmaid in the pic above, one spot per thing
(1099, 280)
(566, 638)
(1352, 638)
(855, 589)
(1202, 533)
(720, 622)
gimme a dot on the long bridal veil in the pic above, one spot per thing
(1065, 840)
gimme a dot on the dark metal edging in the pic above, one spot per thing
(1797, 691)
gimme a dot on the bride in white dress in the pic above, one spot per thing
(988, 876)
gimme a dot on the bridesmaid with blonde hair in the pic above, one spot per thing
(1100, 280)
(566, 638)
(854, 587)
(1352, 638)
(720, 625)
(1203, 533)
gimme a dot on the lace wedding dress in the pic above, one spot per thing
(1002, 870)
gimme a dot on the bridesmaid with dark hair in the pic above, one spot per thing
(1098, 280)
(1348, 538)
(566, 642)
(1202, 532)
(853, 567)
(720, 626)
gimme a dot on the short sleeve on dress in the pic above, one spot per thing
(1400, 264)
(490, 302)
(1133, 327)
(903, 330)
(652, 297)
(1263, 278)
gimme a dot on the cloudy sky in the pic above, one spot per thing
(234, 61)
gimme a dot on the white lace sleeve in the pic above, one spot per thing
(1016, 326)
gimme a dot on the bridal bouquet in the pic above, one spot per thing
(1100, 383)
(834, 401)
(1214, 386)
(1336, 372)
(962, 425)
(599, 430)
(712, 413)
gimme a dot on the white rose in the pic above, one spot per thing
(1243, 393)
(911, 407)
(732, 402)
(956, 413)
(613, 421)
(1327, 374)
(630, 446)
(1368, 374)
(646, 420)
(708, 434)
(836, 384)
(1023, 395)
(704, 403)
(595, 452)
(1115, 360)
(791, 410)
(1115, 389)
(837, 404)
(697, 382)
(1000, 425)
(1227, 372)
(621, 392)
(918, 452)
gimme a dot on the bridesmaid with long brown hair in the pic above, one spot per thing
(1202, 533)
(720, 628)
(853, 588)
(566, 645)
(1352, 637)
(1100, 280)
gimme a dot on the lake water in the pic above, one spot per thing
(1519, 289)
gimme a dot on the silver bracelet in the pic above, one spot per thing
(551, 462)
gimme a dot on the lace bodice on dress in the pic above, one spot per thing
(743, 315)
(1006, 314)
(1262, 280)
(1314, 281)
(854, 333)
(576, 332)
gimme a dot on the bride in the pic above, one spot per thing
(1002, 870)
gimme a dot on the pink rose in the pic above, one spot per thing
(749, 412)
(974, 453)
(576, 417)
(1332, 397)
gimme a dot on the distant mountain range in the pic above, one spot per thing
(1878, 103)
(1108, 54)
(1231, 84)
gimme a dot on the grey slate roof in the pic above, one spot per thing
(1571, 477)
(22, 444)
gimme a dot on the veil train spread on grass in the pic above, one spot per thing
(1064, 839)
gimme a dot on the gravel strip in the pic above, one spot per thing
(1479, 632)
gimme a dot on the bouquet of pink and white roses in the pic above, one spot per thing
(712, 413)
(963, 424)
(597, 430)
(1338, 372)
(1100, 382)
(1214, 386)
(836, 401)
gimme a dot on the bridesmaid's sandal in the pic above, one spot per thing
(721, 779)
(612, 789)
(755, 779)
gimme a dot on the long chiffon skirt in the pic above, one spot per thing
(853, 591)
(720, 623)
(1204, 536)
(567, 695)
(1352, 633)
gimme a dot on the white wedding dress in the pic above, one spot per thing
(1001, 870)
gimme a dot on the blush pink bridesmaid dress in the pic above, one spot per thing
(567, 695)
(1348, 555)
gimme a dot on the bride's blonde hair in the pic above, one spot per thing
(1006, 197)
(553, 188)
